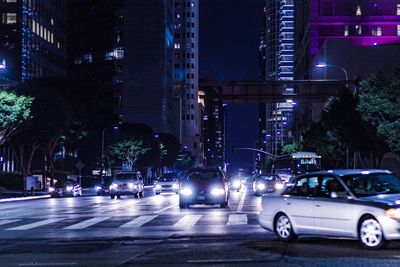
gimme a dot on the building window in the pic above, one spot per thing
(358, 11)
(10, 1)
(398, 10)
(119, 53)
(9, 18)
(377, 31)
(346, 30)
(358, 29)
(398, 30)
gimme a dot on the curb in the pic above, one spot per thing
(23, 198)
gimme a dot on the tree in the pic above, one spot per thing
(289, 149)
(341, 117)
(128, 151)
(14, 110)
(380, 106)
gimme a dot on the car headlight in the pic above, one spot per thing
(51, 189)
(279, 186)
(393, 213)
(158, 187)
(175, 186)
(97, 187)
(217, 191)
(236, 184)
(186, 191)
(132, 185)
(69, 188)
(260, 186)
(113, 186)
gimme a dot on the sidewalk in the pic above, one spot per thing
(19, 196)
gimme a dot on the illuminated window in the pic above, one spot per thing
(9, 18)
(10, 1)
(346, 30)
(119, 53)
(398, 10)
(358, 29)
(398, 30)
(358, 11)
(377, 31)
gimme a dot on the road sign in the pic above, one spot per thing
(79, 165)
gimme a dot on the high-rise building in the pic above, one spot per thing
(32, 39)
(365, 23)
(278, 43)
(186, 72)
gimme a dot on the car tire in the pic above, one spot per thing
(237, 190)
(224, 204)
(283, 228)
(182, 205)
(370, 233)
(118, 196)
(137, 195)
(141, 194)
(112, 196)
(157, 193)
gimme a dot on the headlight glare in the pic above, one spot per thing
(260, 186)
(175, 186)
(236, 184)
(97, 187)
(113, 186)
(186, 191)
(132, 185)
(217, 191)
(158, 187)
(51, 189)
(279, 186)
(69, 188)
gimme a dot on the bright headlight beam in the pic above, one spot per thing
(218, 191)
(186, 191)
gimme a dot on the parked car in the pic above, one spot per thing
(204, 186)
(65, 188)
(358, 204)
(168, 182)
(267, 184)
(127, 183)
(103, 188)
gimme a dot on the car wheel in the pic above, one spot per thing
(137, 195)
(141, 194)
(224, 204)
(112, 196)
(283, 228)
(182, 205)
(370, 233)
(157, 193)
(118, 196)
(238, 190)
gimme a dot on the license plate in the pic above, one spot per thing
(201, 197)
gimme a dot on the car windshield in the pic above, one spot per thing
(167, 179)
(205, 176)
(126, 176)
(373, 184)
(270, 178)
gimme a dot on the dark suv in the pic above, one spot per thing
(204, 186)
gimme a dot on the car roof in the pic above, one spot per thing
(349, 172)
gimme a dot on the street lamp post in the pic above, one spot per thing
(324, 65)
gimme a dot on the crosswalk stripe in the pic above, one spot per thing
(36, 224)
(237, 219)
(2, 222)
(139, 221)
(188, 220)
(86, 223)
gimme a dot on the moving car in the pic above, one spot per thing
(204, 186)
(168, 182)
(127, 183)
(103, 188)
(66, 188)
(357, 204)
(267, 184)
(236, 183)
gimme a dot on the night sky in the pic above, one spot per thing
(229, 37)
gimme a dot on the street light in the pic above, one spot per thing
(324, 66)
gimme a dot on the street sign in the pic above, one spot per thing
(2, 159)
(79, 165)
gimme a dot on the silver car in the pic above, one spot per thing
(356, 204)
(127, 183)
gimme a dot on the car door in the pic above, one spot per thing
(299, 204)
(333, 208)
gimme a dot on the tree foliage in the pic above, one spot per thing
(289, 149)
(380, 106)
(128, 151)
(14, 109)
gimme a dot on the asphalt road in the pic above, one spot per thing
(99, 231)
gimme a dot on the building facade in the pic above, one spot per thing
(365, 23)
(186, 72)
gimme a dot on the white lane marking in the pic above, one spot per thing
(188, 220)
(3, 222)
(241, 203)
(36, 224)
(237, 219)
(164, 209)
(48, 264)
(86, 223)
(23, 198)
(138, 222)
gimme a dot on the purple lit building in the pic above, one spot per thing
(362, 23)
